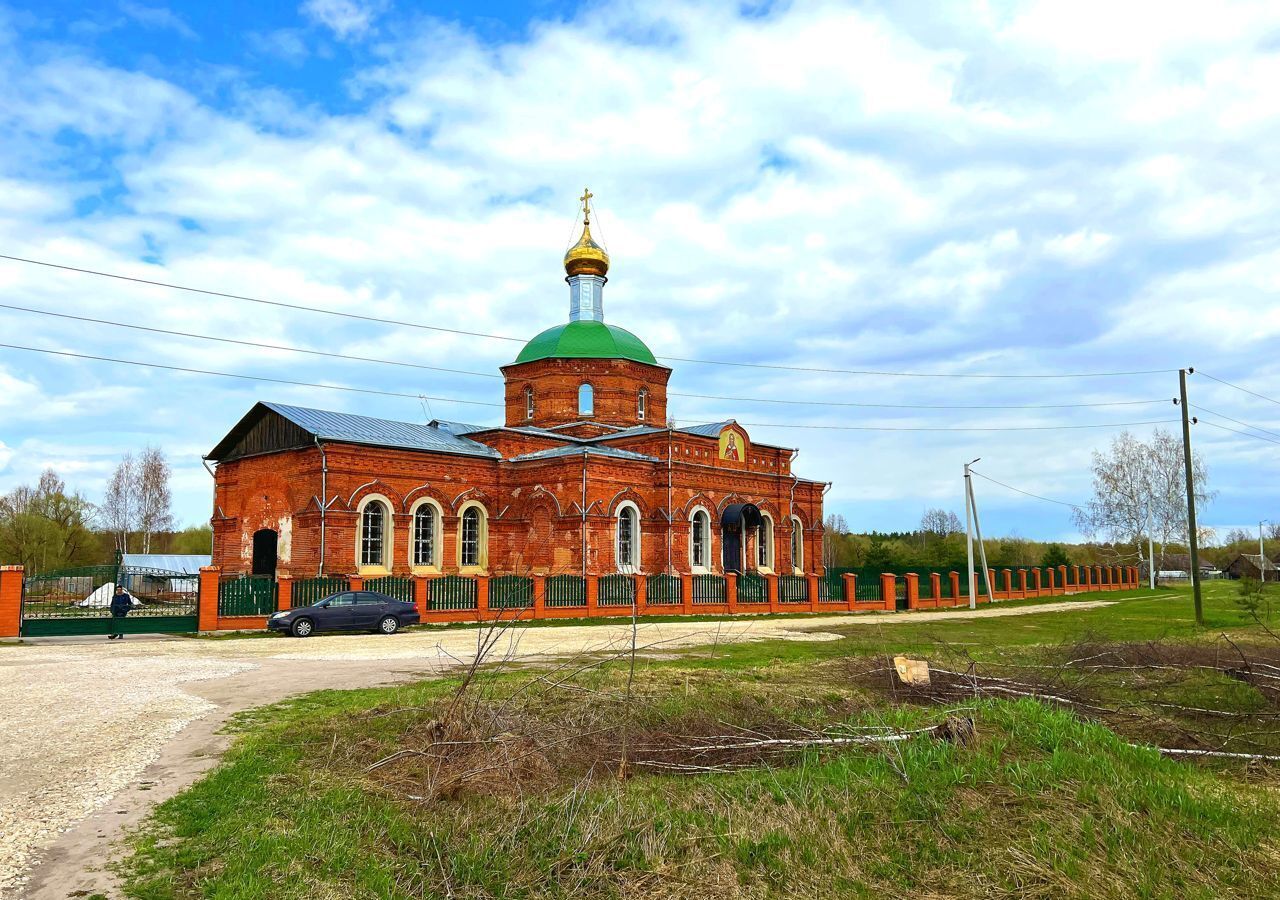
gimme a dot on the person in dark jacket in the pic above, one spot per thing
(121, 603)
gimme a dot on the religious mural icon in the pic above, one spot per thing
(733, 444)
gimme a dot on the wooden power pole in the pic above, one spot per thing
(1193, 542)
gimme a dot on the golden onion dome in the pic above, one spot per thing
(586, 257)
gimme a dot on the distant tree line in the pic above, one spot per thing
(49, 526)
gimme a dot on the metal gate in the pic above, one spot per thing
(78, 601)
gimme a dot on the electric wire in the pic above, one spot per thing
(331, 387)
(1236, 431)
(395, 362)
(360, 390)
(1238, 388)
(974, 471)
(500, 337)
(242, 343)
(1237, 421)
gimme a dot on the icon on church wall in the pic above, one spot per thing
(733, 445)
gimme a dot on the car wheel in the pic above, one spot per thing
(302, 628)
(389, 625)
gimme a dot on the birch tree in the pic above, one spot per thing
(119, 505)
(1139, 488)
(153, 495)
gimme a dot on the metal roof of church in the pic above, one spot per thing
(354, 429)
(558, 452)
(711, 429)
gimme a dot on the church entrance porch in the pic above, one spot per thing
(738, 522)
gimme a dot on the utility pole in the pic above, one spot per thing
(968, 530)
(1151, 551)
(977, 527)
(1262, 553)
(1192, 538)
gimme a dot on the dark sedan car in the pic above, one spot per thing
(347, 611)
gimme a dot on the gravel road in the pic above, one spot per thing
(97, 732)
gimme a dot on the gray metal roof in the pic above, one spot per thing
(167, 562)
(460, 427)
(560, 452)
(353, 429)
(711, 429)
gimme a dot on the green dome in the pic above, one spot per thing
(586, 339)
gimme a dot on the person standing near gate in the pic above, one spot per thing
(121, 603)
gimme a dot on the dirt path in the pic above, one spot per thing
(97, 733)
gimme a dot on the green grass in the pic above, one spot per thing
(1044, 804)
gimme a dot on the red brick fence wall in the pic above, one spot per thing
(222, 602)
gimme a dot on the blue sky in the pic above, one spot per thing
(950, 188)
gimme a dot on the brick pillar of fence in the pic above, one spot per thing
(955, 587)
(356, 582)
(284, 592)
(993, 586)
(812, 585)
(771, 593)
(731, 590)
(642, 594)
(1062, 579)
(593, 595)
(421, 585)
(935, 588)
(913, 590)
(686, 594)
(1097, 577)
(850, 581)
(1037, 581)
(1022, 582)
(539, 596)
(482, 597)
(1135, 574)
(1008, 583)
(10, 601)
(207, 599)
(889, 590)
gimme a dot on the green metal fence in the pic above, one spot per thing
(452, 592)
(247, 595)
(511, 592)
(708, 589)
(663, 590)
(566, 591)
(617, 590)
(752, 588)
(394, 586)
(831, 589)
(310, 591)
(867, 590)
(924, 587)
(78, 601)
(793, 589)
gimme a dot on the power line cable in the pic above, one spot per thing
(501, 337)
(1237, 421)
(394, 362)
(1235, 431)
(926, 428)
(331, 387)
(359, 390)
(262, 346)
(1238, 388)
(974, 471)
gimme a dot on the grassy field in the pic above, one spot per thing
(771, 769)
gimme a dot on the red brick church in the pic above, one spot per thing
(585, 476)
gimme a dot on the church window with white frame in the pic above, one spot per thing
(700, 540)
(628, 543)
(374, 541)
(426, 531)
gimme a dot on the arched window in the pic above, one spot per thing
(797, 545)
(473, 537)
(628, 549)
(642, 404)
(700, 539)
(764, 543)
(375, 538)
(586, 400)
(528, 403)
(426, 531)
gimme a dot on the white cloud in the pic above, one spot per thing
(345, 18)
(1080, 247)
(159, 17)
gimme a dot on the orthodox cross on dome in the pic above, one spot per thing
(586, 263)
(586, 205)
